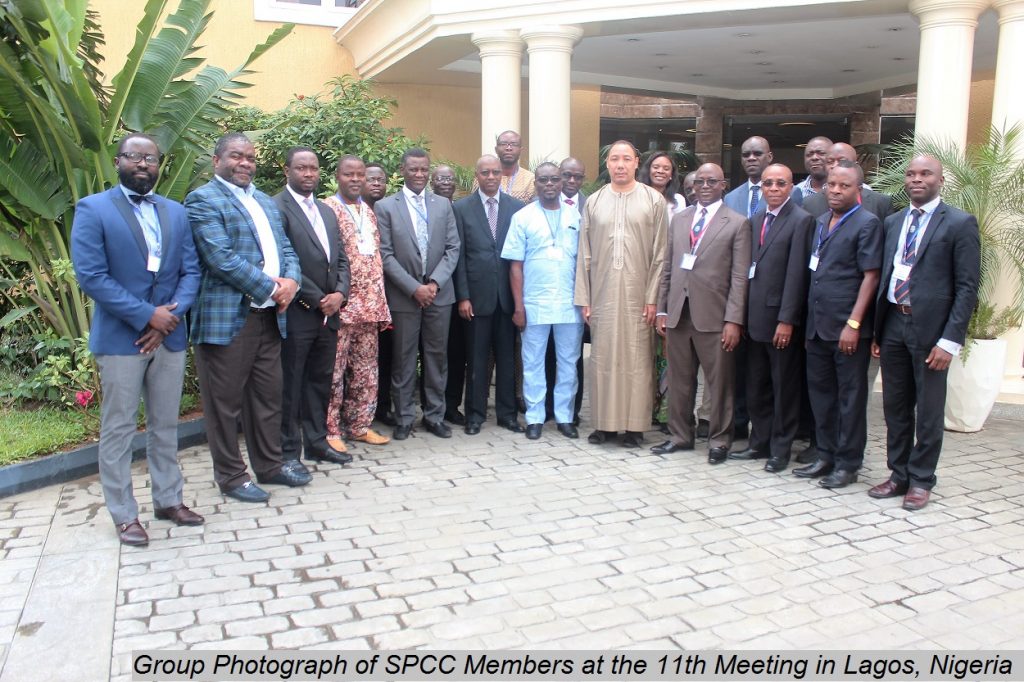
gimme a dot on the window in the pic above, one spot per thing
(331, 13)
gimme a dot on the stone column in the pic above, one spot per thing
(550, 50)
(944, 72)
(501, 69)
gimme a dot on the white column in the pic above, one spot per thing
(944, 72)
(550, 50)
(501, 73)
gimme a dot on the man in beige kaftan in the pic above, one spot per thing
(621, 249)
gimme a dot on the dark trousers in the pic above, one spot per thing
(384, 352)
(740, 414)
(774, 381)
(457, 357)
(490, 333)
(243, 380)
(550, 367)
(838, 387)
(307, 363)
(428, 326)
(908, 383)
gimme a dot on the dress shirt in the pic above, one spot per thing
(145, 211)
(484, 198)
(264, 233)
(411, 199)
(315, 219)
(712, 210)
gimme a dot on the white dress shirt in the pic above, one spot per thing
(264, 233)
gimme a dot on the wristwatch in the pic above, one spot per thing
(854, 324)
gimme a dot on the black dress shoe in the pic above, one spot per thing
(598, 437)
(533, 431)
(512, 425)
(296, 465)
(819, 468)
(718, 455)
(749, 453)
(248, 492)
(703, 428)
(668, 447)
(568, 430)
(401, 431)
(455, 417)
(472, 428)
(840, 478)
(776, 464)
(740, 432)
(386, 418)
(807, 455)
(329, 455)
(439, 429)
(632, 439)
(293, 478)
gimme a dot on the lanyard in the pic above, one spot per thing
(420, 213)
(359, 210)
(822, 227)
(557, 224)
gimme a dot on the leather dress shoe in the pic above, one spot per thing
(455, 417)
(132, 534)
(568, 430)
(386, 418)
(371, 437)
(703, 428)
(512, 425)
(329, 455)
(248, 492)
(180, 514)
(472, 428)
(337, 443)
(718, 455)
(533, 431)
(401, 431)
(776, 464)
(740, 432)
(807, 455)
(289, 476)
(632, 439)
(668, 447)
(888, 489)
(916, 498)
(840, 478)
(439, 429)
(749, 453)
(818, 468)
(598, 437)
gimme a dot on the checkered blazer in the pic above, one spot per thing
(232, 261)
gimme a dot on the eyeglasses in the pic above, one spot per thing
(510, 144)
(548, 179)
(489, 173)
(135, 157)
(774, 183)
(701, 182)
(747, 155)
(443, 178)
(578, 177)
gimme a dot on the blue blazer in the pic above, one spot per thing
(109, 253)
(232, 262)
(739, 199)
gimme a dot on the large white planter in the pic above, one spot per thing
(972, 388)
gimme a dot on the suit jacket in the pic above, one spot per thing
(875, 202)
(738, 199)
(853, 248)
(944, 279)
(716, 287)
(321, 274)
(778, 291)
(400, 253)
(232, 261)
(110, 255)
(481, 274)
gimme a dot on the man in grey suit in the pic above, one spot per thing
(419, 245)
(701, 311)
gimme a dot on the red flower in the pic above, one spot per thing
(83, 398)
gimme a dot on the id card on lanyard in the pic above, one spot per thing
(824, 234)
(365, 242)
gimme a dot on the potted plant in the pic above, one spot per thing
(987, 181)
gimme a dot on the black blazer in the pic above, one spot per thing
(854, 248)
(778, 291)
(481, 274)
(320, 275)
(879, 204)
(944, 279)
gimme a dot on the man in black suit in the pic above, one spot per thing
(777, 295)
(845, 262)
(928, 290)
(485, 296)
(307, 355)
(875, 202)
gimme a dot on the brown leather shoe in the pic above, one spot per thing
(371, 437)
(916, 498)
(132, 534)
(888, 489)
(337, 444)
(180, 514)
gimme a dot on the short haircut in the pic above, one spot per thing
(376, 164)
(415, 153)
(292, 151)
(636, 152)
(536, 171)
(846, 163)
(227, 138)
(353, 157)
(136, 136)
(506, 132)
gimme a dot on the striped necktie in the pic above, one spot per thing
(902, 289)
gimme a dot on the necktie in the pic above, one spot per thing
(902, 289)
(153, 237)
(767, 226)
(492, 216)
(318, 224)
(698, 227)
(755, 195)
(421, 230)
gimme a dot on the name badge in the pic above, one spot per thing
(367, 247)
(688, 260)
(153, 263)
(752, 271)
(813, 265)
(555, 253)
(901, 271)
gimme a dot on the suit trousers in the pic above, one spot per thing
(354, 386)
(740, 414)
(243, 380)
(384, 353)
(489, 333)
(458, 357)
(686, 348)
(568, 340)
(908, 383)
(307, 363)
(429, 327)
(774, 380)
(838, 387)
(156, 378)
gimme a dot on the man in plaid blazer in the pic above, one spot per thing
(250, 276)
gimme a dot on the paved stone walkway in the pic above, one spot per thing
(494, 541)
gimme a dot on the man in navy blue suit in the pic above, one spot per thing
(133, 255)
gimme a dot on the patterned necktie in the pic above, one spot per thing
(421, 230)
(318, 224)
(767, 226)
(755, 195)
(492, 217)
(698, 227)
(902, 289)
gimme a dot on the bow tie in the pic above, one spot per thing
(569, 201)
(137, 199)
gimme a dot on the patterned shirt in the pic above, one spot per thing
(366, 300)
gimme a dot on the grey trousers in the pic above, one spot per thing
(155, 378)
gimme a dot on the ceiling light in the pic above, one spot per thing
(726, 146)
(778, 81)
(801, 145)
(755, 52)
(691, 130)
(632, 40)
(696, 75)
(849, 70)
(764, 63)
(794, 123)
(661, 54)
(899, 59)
(894, 29)
(744, 35)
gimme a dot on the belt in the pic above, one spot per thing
(263, 311)
(902, 309)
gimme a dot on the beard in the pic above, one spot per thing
(138, 184)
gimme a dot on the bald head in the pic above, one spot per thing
(573, 173)
(756, 155)
(840, 151)
(488, 174)
(923, 179)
